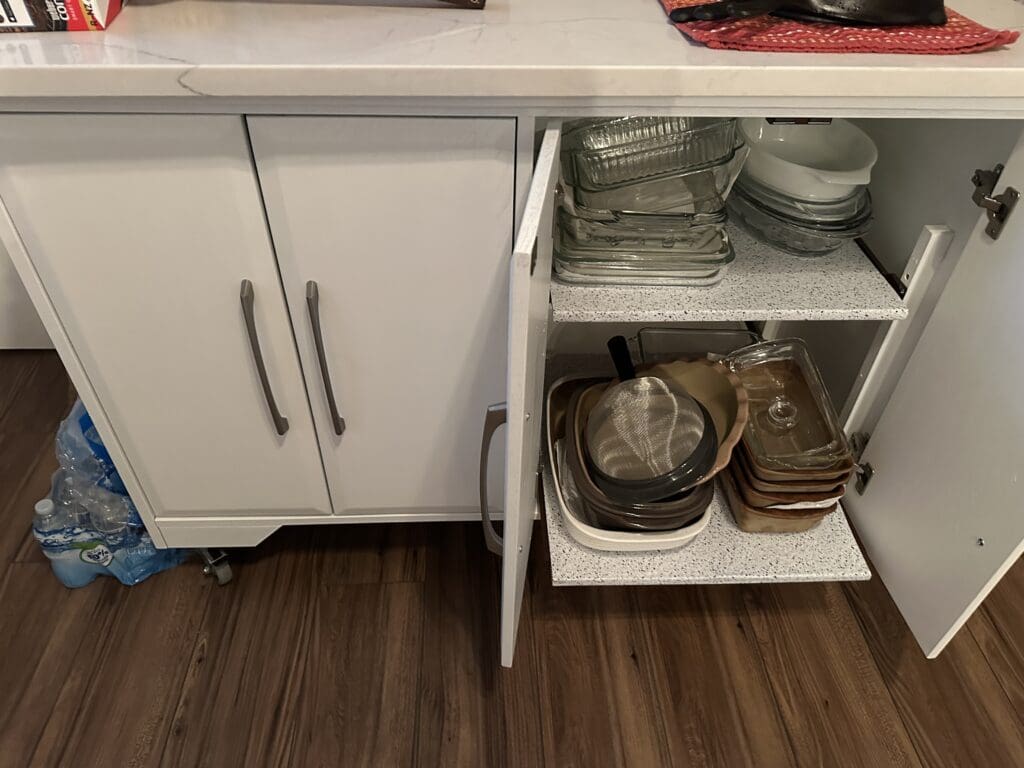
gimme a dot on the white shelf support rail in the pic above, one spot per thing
(925, 276)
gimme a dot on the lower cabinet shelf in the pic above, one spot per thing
(722, 554)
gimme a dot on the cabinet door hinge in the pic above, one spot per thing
(997, 207)
(863, 471)
(864, 474)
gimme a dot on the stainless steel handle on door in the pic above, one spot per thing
(313, 305)
(496, 416)
(248, 297)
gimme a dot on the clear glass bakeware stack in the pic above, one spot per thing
(644, 200)
(801, 227)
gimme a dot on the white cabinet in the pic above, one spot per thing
(393, 236)
(19, 323)
(939, 518)
(314, 322)
(140, 231)
(224, 397)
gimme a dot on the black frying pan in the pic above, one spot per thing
(876, 13)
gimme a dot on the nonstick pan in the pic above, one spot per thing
(875, 13)
(646, 438)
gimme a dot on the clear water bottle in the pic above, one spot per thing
(69, 496)
(89, 525)
(109, 517)
(49, 518)
(54, 530)
(81, 453)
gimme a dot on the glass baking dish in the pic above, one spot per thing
(793, 424)
(844, 215)
(658, 344)
(612, 273)
(636, 220)
(693, 191)
(787, 235)
(658, 236)
(717, 252)
(601, 154)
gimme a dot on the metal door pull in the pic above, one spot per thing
(313, 305)
(248, 298)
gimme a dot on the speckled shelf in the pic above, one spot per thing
(762, 284)
(722, 554)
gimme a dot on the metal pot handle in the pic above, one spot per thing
(496, 416)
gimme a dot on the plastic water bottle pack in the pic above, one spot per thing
(89, 526)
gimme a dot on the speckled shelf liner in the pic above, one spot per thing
(722, 554)
(762, 284)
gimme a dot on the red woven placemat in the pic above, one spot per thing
(770, 33)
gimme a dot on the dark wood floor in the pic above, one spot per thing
(377, 646)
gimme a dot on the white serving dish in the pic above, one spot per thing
(598, 538)
(809, 162)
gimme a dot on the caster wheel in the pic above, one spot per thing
(222, 571)
(216, 564)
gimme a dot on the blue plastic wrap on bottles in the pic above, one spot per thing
(81, 452)
(88, 526)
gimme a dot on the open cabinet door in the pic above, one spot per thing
(529, 289)
(941, 517)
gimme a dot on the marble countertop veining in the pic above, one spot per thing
(528, 51)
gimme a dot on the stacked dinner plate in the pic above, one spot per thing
(644, 200)
(793, 461)
(804, 187)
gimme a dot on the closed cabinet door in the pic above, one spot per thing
(941, 515)
(394, 236)
(19, 324)
(147, 234)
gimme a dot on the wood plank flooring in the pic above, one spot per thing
(378, 646)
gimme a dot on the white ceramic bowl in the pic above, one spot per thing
(809, 162)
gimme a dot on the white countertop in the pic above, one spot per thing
(587, 52)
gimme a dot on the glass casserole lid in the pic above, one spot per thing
(793, 424)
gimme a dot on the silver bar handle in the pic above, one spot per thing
(496, 416)
(313, 305)
(248, 297)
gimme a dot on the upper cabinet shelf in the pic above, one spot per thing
(762, 284)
